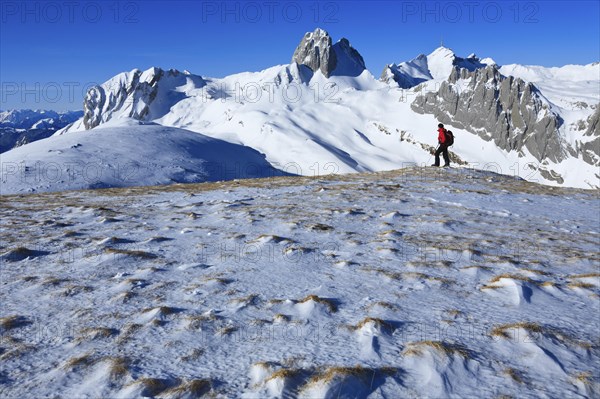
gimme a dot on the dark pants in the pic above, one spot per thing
(443, 149)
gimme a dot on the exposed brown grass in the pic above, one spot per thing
(331, 306)
(128, 331)
(502, 330)
(151, 386)
(132, 253)
(192, 388)
(228, 330)
(497, 278)
(454, 312)
(581, 284)
(383, 304)
(196, 353)
(515, 375)
(417, 348)
(585, 275)
(54, 281)
(382, 324)
(584, 377)
(162, 310)
(80, 361)
(365, 374)
(285, 373)
(12, 322)
(118, 367)
(97, 332)
(281, 318)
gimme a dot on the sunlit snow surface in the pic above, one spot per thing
(476, 285)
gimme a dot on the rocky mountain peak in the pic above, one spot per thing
(317, 52)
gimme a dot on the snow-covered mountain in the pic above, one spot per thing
(437, 65)
(326, 113)
(19, 127)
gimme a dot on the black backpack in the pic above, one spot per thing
(449, 138)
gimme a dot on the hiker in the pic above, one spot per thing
(442, 148)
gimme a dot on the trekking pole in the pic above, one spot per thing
(431, 154)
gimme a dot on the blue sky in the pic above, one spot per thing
(51, 50)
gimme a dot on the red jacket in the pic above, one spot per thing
(441, 135)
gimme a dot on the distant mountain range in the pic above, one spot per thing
(19, 127)
(324, 112)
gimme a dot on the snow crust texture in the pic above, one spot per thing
(412, 283)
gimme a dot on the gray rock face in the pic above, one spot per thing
(590, 150)
(317, 52)
(116, 96)
(506, 110)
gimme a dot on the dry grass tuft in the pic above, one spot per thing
(533, 329)
(285, 373)
(193, 388)
(497, 278)
(581, 284)
(454, 312)
(151, 386)
(218, 280)
(366, 374)
(97, 332)
(320, 227)
(515, 374)
(12, 322)
(585, 275)
(128, 331)
(80, 361)
(193, 355)
(330, 304)
(382, 324)
(383, 304)
(162, 310)
(53, 281)
(132, 253)
(228, 330)
(417, 348)
(118, 367)
(585, 377)
(281, 318)
(502, 330)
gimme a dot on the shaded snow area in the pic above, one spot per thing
(412, 283)
(127, 153)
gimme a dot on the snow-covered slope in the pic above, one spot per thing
(124, 153)
(418, 283)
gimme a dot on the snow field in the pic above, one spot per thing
(420, 282)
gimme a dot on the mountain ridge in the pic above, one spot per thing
(309, 113)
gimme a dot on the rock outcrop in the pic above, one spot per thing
(506, 110)
(317, 52)
(590, 150)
